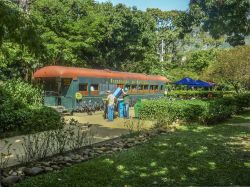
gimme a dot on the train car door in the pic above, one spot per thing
(67, 90)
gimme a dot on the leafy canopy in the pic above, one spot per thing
(223, 17)
(232, 67)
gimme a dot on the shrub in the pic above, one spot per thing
(243, 100)
(171, 110)
(201, 111)
(41, 119)
(30, 120)
(23, 93)
(22, 111)
(215, 111)
(188, 94)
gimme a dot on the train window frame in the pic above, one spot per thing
(162, 87)
(127, 86)
(94, 85)
(145, 87)
(154, 87)
(134, 87)
(140, 87)
(85, 84)
(66, 81)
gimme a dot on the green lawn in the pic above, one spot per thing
(193, 155)
(244, 117)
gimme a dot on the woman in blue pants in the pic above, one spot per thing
(111, 103)
(126, 103)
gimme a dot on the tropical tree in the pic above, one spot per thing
(230, 18)
(197, 61)
(172, 27)
(20, 44)
(232, 67)
(17, 26)
(129, 37)
(70, 30)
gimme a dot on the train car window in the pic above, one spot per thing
(145, 87)
(50, 86)
(162, 87)
(66, 81)
(133, 87)
(140, 87)
(153, 87)
(65, 84)
(94, 87)
(128, 87)
(83, 87)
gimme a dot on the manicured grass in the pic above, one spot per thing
(194, 155)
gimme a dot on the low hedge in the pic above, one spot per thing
(22, 111)
(188, 94)
(201, 111)
(242, 100)
(30, 120)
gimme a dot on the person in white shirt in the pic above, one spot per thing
(111, 104)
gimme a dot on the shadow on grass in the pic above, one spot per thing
(193, 155)
(244, 117)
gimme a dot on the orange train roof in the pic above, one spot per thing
(73, 72)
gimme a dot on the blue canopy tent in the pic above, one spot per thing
(199, 83)
(194, 83)
(186, 81)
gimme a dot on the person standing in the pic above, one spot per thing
(111, 103)
(126, 100)
(105, 103)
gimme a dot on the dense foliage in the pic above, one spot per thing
(232, 67)
(230, 18)
(200, 111)
(195, 94)
(198, 61)
(84, 33)
(22, 92)
(91, 35)
(16, 26)
(29, 120)
(21, 109)
(100, 35)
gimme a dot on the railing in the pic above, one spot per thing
(90, 105)
(87, 104)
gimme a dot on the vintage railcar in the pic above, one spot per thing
(61, 84)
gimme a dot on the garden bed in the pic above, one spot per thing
(57, 162)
